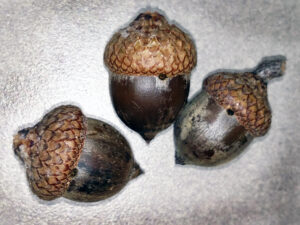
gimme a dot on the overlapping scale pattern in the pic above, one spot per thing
(51, 150)
(150, 46)
(245, 95)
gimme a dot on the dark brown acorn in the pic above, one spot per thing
(150, 63)
(106, 164)
(232, 109)
(64, 147)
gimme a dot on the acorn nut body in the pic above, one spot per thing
(232, 109)
(106, 164)
(67, 154)
(150, 63)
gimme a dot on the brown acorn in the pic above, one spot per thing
(106, 164)
(232, 109)
(150, 63)
(53, 149)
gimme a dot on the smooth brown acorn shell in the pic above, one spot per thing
(105, 166)
(206, 134)
(148, 104)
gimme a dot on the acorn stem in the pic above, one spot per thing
(270, 67)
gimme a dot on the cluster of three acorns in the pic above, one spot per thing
(83, 159)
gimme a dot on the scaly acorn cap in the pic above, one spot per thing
(245, 94)
(150, 46)
(51, 150)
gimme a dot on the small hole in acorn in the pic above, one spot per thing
(74, 172)
(162, 76)
(230, 112)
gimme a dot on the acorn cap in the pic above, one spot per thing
(51, 150)
(150, 46)
(245, 94)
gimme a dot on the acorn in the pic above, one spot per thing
(149, 66)
(230, 111)
(67, 154)
(106, 164)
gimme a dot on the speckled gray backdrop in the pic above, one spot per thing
(51, 53)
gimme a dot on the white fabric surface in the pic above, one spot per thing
(52, 53)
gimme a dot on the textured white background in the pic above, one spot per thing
(51, 53)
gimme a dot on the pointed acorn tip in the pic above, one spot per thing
(136, 171)
(148, 136)
(178, 159)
